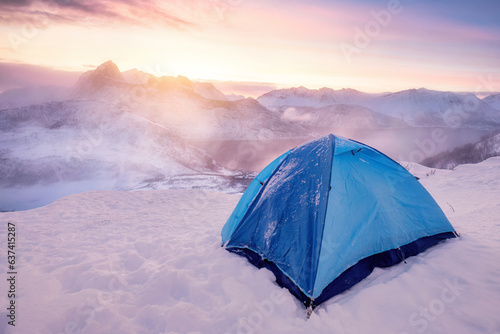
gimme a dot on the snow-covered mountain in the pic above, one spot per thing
(136, 77)
(422, 107)
(208, 91)
(235, 97)
(129, 130)
(349, 116)
(199, 119)
(106, 82)
(205, 89)
(303, 97)
(493, 101)
(416, 107)
(112, 134)
(193, 110)
(59, 148)
(487, 147)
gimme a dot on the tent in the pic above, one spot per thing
(323, 215)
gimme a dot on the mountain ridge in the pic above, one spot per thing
(133, 130)
(416, 107)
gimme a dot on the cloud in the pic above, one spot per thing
(98, 12)
(15, 3)
(293, 115)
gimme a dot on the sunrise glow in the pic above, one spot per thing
(372, 46)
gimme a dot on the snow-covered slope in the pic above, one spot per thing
(208, 91)
(417, 107)
(487, 147)
(130, 130)
(422, 107)
(119, 134)
(136, 77)
(243, 119)
(235, 97)
(105, 82)
(493, 101)
(303, 97)
(340, 116)
(205, 89)
(51, 150)
(194, 110)
(151, 262)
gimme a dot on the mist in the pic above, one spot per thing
(111, 131)
(14, 75)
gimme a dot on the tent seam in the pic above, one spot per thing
(324, 215)
(247, 212)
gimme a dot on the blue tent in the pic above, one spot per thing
(323, 215)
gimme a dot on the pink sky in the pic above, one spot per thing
(283, 43)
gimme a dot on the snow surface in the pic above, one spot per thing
(151, 262)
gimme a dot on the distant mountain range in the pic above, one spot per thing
(133, 130)
(194, 111)
(487, 147)
(414, 107)
(493, 101)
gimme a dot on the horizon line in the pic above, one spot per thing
(271, 86)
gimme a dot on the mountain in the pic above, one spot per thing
(303, 97)
(102, 82)
(339, 116)
(493, 101)
(134, 130)
(487, 147)
(136, 77)
(193, 110)
(422, 107)
(208, 91)
(204, 89)
(235, 97)
(111, 134)
(199, 119)
(59, 148)
(416, 107)
(21, 97)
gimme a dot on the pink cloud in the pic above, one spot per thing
(101, 12)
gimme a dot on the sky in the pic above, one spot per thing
(373, 46)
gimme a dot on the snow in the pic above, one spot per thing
(140, 131)
(340, 115)
(208, 91)
(235, 97)
(493, 101)
(416, 107)
(151, 262)
(53, 150)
